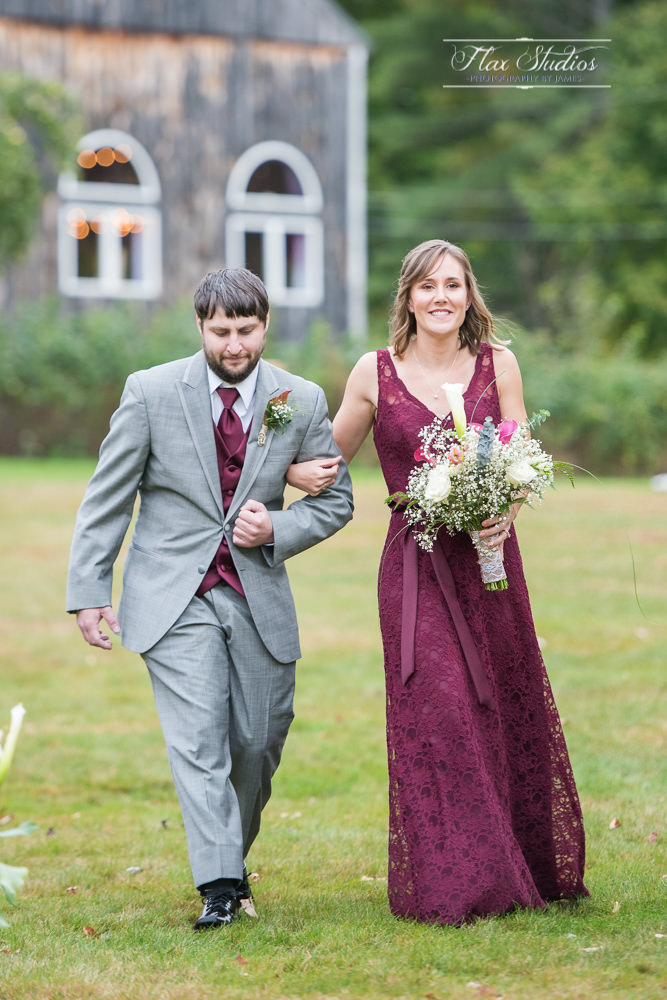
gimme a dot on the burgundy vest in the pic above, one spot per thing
(222, 569)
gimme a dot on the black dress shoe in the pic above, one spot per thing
(220, 909)
(244, 886)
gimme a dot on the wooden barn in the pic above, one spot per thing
(217, 133)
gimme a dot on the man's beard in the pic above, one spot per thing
(233, 377)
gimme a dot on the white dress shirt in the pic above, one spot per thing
(243, 405)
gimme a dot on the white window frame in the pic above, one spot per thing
(275, 216)
(274, 229)
(100, 201)
(110, 282)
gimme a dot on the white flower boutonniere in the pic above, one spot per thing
(277, 415)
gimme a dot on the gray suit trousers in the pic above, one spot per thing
(225, 706)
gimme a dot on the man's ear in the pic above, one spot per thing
(268, 319)
(199, 326)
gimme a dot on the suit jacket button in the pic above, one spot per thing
(201, 570)
(228, 527)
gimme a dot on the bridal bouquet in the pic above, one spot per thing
(474, 472)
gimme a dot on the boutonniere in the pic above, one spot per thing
(277, 415)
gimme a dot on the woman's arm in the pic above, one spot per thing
(314, 476)
(356, 415)
(510, 385)
(350, 427)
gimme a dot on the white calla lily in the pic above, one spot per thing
(7, 751)
(454, 393)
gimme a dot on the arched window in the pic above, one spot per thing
(274, 201)
(109, 225)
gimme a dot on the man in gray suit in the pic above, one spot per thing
(206, 442)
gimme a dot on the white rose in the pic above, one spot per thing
(520, 473)
(438, 484)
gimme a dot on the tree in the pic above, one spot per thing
(39, 126)
(602, 196)
(558, 195)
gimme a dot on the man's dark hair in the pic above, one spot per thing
(236, 290)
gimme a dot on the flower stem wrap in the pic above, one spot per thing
(490, 560)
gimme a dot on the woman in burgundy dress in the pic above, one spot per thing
(484, 814)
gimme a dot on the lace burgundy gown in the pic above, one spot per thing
(484, 813)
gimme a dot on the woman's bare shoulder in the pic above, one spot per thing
(509, 382)
(501, 353)
(365, 370)
(367, 362)
(501, 349)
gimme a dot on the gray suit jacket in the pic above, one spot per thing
(161, 445)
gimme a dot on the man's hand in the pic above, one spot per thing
(88, 620)
(253, 526)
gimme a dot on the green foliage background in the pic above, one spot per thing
(61, 377)
(39, 126)
(558, 196)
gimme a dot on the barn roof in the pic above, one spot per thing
(307, 21)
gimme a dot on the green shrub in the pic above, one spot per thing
(61, 376)
(608, 411)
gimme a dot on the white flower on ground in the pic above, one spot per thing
(438, 484)
(7, 751)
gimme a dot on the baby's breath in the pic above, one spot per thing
(478, 476)
(278, 412)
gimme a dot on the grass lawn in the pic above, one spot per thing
(108, 903)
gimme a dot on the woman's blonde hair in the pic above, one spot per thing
(417, 264)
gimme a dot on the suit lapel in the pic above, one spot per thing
(195, 398)
(267, 386)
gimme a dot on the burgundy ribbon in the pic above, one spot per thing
(409, 617)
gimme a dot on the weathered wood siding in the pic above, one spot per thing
(313, 22)
(196, 102)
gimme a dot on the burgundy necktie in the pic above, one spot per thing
(229, 424)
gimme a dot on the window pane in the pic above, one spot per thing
(253, 253)
(132, 257)
(108, 165)
(274, 177)
(110, 208)
(88, 252)
(295, 259)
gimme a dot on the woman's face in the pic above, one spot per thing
(440, 299)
